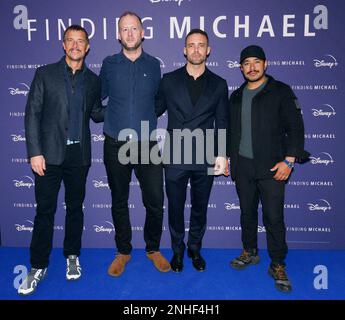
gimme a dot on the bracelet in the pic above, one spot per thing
(289, 164)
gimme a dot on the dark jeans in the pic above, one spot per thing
(271, 193)
(150, 177)
(73, 174)
(176, 181)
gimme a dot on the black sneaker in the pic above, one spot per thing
(277, 272)
(246, 259)
(30, 283)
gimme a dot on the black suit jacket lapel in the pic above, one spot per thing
(203, 102)
(185, 107)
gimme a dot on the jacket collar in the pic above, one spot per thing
(189, 111)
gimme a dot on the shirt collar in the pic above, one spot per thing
(203, 75)
(122, 56)
(69, 69)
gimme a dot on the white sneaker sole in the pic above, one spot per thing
(25, 292)
(75, 277)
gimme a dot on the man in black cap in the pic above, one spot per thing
(265, 138)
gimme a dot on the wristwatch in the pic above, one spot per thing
(289, 164)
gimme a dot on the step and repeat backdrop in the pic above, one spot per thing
(304, 44)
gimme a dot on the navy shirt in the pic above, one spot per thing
(131, 87)
(75, 93)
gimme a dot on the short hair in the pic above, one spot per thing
(130, 13)
(76, 27)
(196, 31)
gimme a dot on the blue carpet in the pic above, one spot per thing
(141, 281)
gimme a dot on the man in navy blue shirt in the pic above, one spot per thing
(130, 80)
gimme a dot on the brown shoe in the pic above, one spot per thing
(159, 261)
(118, 265)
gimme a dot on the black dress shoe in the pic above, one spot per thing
(176, 263)
(198, 261)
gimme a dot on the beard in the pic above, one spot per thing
(71, 57)
(132, 48)
(196, 62)
(255, 79)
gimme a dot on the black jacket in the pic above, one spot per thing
(46, 113)
(277, 127)
(210, 111)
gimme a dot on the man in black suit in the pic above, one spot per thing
(196, 101)
(265, 137)
(62, 99)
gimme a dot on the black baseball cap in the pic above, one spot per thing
(252, 51)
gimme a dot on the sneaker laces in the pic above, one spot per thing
(280, 272)
(35, 274)
(73, 264)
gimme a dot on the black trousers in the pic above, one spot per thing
(73, 174)
(150, 177)
(271, 193)
(176, 181)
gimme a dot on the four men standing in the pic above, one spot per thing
(265, 135)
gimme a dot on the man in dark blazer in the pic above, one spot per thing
(265, 137)
(196, 101)
(62, 99)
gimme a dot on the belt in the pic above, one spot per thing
(69, 142)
